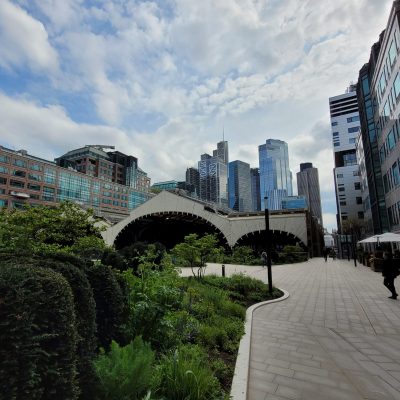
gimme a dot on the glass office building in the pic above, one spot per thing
(378, 95)
(275, 175)
(239, 186)
(29, 180)
(308, 186)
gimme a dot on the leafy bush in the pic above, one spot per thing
(37, 334)
(85, 313)
(184, 375)
(152, 297)
(110, 305)
(125, 373)
(292, 254)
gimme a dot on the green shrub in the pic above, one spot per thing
(110, 305)
(125, 373)
(152, 298)
(184, 375)
(85, 313)
(37, 334)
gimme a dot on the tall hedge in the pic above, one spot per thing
(85, 312)
(110, 305)
(84, 306)
(37, 334)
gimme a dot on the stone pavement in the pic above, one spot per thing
(336, 337)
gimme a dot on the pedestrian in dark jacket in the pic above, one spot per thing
(390, 270)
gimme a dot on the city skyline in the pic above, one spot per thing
(150, 79)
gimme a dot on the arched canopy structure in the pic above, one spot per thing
(169, 213)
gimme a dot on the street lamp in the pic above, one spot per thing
(267, 239)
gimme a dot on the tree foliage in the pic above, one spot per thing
(195, 252)
(66, 227)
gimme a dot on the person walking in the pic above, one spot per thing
(390, 271)
(325, 253)
(264, 258)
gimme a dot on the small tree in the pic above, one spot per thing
(194, 252)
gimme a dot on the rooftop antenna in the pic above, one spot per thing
(223, 132)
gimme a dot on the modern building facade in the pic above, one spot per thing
(275, 175)
(239, 186)
(379, 99)
(255, 189)
(345, 123)
(213, 174)
(294, 203)
(29, 180)
(112, 166)
(308, 187)
(192, 181)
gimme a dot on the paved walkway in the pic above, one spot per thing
(336, 337)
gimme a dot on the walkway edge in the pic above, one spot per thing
(241, 376)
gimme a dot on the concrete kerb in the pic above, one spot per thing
(241, 375)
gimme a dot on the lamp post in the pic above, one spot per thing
(267, 238)
(353, 245)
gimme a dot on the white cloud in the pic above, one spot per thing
(24, 40)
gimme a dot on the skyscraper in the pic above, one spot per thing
(345, 122)
(275, 175)
(239, 186)
(213, 173)
(378, 93)
(193, 181)
(255, 189)
(308, 186)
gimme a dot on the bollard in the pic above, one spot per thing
(223, 270)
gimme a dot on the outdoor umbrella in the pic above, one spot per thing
(384, 237)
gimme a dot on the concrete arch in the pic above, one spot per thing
(232, 227)
(167, 202)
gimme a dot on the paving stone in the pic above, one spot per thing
(337, 332)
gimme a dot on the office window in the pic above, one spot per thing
(392, 53)
(352, 140)
(334, 123)
(35, 177)
(344, 217)
(341, 189)
(357, 185)
(3, 181)
(17, 183)
(390, 140)
(20, 163)
(358, 200)
(339, 175)
(353, 119)
(396, 86)
(343, 203)
(353, 129)
(3, 170)
(32, 186)
(17, 172)
(36, 167)
(360, 215)
(336, 144)
(396, 175)
(4, 159)
(334, 134)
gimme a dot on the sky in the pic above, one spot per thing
(163, 79)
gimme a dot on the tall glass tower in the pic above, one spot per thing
(308, 186)
(275, 175)
(239, 186)
(213, 174)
